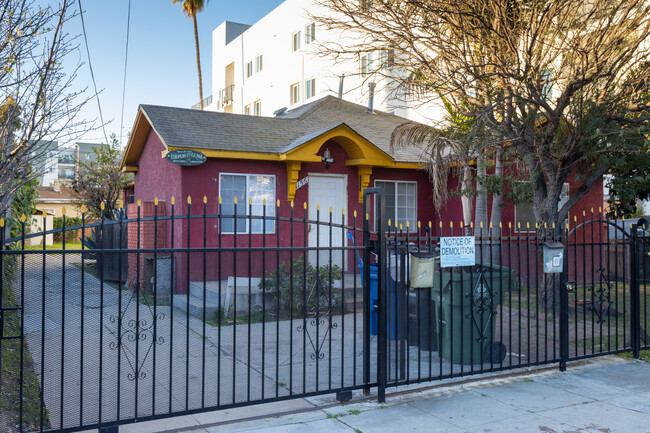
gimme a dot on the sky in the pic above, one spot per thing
(161, 66)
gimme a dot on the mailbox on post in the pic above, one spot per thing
(553, 257)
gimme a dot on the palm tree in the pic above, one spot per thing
(191, 8)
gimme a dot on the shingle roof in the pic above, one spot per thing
(179, 127)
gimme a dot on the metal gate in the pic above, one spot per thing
(173, 310)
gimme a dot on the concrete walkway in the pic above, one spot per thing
(605, 395)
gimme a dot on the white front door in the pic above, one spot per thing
(327, 191)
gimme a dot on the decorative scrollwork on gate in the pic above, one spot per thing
(600, 296)
(132, 330)
(317, 318)
(482, 303)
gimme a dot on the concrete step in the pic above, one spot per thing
(196, 306)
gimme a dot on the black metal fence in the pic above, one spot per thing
(222, 310)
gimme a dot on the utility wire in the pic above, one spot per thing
(92, 74)
(126, 57)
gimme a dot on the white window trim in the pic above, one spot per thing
(532, 227)
(255, 104)
(245, 200)
(313, 88)
(299, 41)
(261, 63)
(411, 229)
(291, 93)
(313, 34)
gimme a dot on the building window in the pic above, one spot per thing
(310, 88)
(295, 93)
(400, 203)
(296, 40)
(547, 85)
(258, 63)
(247, 110)
(257, 107)
(366, 64)
(310, 33)
(249, 69)
(525, 215)
(245, 187)
(387, 57)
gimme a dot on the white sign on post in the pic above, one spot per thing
(457, 251)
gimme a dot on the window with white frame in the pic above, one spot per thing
(295, 45)
(387, 57)
(249, 69)
(401, 202)
(366, 64)
(310, 33)
(245, 187)
(258, 63)
(257, 108)
(310, 88)
(294, 94)
(525, 215)
(247, 110)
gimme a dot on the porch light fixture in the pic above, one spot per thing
(327, 158)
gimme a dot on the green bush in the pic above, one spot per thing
(70, 235)
(305, 285)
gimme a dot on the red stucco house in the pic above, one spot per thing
(278, 159)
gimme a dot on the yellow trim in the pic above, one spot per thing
(232, 154)
(293, 172)
(364, 179)
(130, 168)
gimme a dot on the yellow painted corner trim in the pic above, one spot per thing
(293, 172)
(130, 168)
(364, 179)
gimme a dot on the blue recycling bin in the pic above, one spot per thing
(394, 307)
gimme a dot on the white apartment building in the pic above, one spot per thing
(273, 64)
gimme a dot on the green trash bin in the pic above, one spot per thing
(469, 306)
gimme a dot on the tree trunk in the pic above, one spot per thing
(198, 60)
(480, 219)
(495, 214)
(467, 200)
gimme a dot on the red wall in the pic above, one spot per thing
(159, 178)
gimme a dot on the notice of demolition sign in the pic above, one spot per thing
(457, 251)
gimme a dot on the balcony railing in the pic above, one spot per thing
(207, 101)
(227, 95)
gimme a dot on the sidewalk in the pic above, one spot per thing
(603, 395)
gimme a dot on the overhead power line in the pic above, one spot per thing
(92, 73)
(126, 58)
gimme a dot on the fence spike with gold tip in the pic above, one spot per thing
(155, 201)
(490, 225)
(553, 226)
(500, 225)
(518, 225)
(220, 200)
(407, 224)
(139, 202)
(355, 213)
(389, 221)
(304, 205)
(584, 213)
(471, 224)
(401, 227)
(441, 224)
(189, 199)
(44, 213)
(330, 209)
(2, 222)
(481, 225)
(510, 225)
(250, 200)
(277, 203)
(23, 218)
(264, 202)
(527, 224)
(451, 224)
(83, 208)
(102, 206)
(367, 217)
(318, 207)
(600, 210)
(205, 199)
(291, 204)
(235, 199)
(592, 210)
(120, 204)
(174, 200)
(63, 210)
(343, 211)
(419, 225)
(575, 218)
(429, 224)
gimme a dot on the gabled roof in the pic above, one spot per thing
(211, 131)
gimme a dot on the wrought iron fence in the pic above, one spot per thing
(178, 309)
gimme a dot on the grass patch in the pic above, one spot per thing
(644, 355)
(55, 246)
(11, 366)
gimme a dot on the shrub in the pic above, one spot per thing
(306, 285)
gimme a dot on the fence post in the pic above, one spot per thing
(366, 296)
(380, 248)
(564, 304)
(635, 315)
